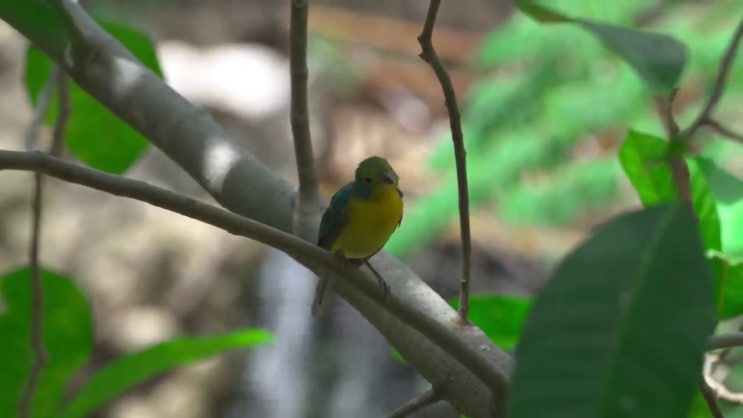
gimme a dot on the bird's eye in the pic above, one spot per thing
(368, 179)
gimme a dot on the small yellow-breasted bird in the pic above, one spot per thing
(361, 217)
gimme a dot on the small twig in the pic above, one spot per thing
(711, 399)
(428, 54)
(705, 116)
(430, 397)
(300, 122)
(306, 253)
(724, 131)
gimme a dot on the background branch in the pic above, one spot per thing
(40, 359)
(240, 183)
(705, 116)
(428, 54)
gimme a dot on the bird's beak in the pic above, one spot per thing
(389, 177)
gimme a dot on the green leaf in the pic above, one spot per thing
(620, 329)
(94, 134)
(728, 191)
(643, 159)
(500, 317)
(67, 337)
(658, 59)
(124, 373)
(729, 285)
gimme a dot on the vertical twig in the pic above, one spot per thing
(300, 122)
(37, 314)
(428, 54)
(61, 81)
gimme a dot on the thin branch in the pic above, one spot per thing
(300, 121)
(724, 131)
(306, 253)
(40, 358)
(711, 399)
(705, 116)
(57, 78)
(428, 54)
(63, 117)
(414, 405)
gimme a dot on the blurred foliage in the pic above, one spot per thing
(94, 134)
(68, 342)
(553, 94)
(606, 337)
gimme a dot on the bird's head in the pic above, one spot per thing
(376, 171)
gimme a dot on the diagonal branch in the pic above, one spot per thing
(242, 184)
(308, 254)
(724, 131)
(429, 55)
(719, 87)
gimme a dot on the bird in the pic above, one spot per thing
(360, 219)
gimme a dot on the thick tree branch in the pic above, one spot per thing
(430, 397)
(308, 254)
(239, 182)
(705, 116)
(428, 54)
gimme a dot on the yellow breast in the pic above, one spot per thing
(371, 222)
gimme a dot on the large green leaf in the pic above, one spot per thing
(94, 134)
(620, 329)
(500, 317)
(67, 338)
(658, 59)
(136, 368)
